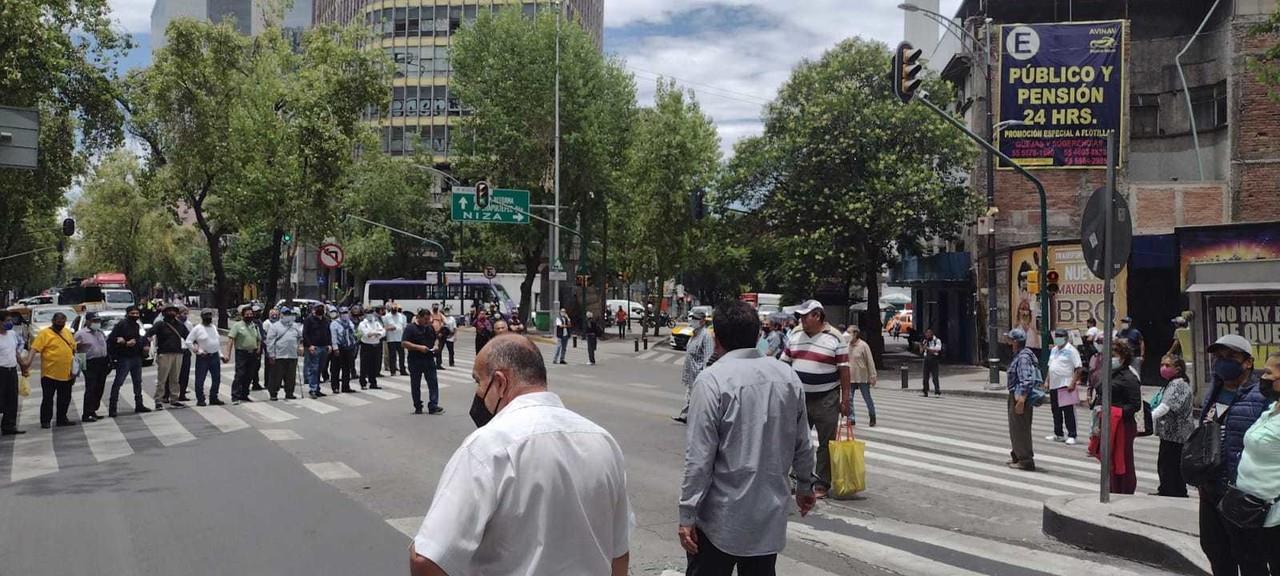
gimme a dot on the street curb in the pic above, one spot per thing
(1139, 542)
(989, 394)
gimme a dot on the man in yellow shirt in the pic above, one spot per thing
(56, 348)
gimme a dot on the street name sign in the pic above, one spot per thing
(505, 206)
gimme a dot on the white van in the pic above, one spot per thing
(117, 298)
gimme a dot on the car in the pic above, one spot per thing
(900, 323)
(42, 316)
(109, 320)
(117, 298)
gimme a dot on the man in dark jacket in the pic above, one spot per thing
(127, 346)
(168, 335)
(1235, 400)
(317, 341)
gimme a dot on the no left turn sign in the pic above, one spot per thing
(331, 256)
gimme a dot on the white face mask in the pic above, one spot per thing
(1116, 363)
(288, 320)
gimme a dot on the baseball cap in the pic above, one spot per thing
(808, 306)
(1233, 342)
(1018, 335)
(1061, 332)
(698, 314)
(343, 310)
(285, 310)
(1127, 319)
(90, 316)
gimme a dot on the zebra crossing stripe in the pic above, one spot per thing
(222, 418)
(989, 467)
(679, 361)
(894, 559)
(33, 454)
(348, 400)
(1026, 485)
(166, 428)
(407, 526)
(316, 406)
(106, 441)
(383, 394)
(933, 484)
(646, 355)
(267, 413)
(280, 434)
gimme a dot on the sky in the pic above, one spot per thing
(734, 54)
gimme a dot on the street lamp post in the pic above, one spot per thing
(555, 230)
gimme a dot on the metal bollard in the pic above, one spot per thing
(646, 343)
(575, 341)
(905, 383)
(637, 345)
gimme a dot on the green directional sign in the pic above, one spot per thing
(505, 206)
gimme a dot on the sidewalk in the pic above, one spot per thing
(1162, 532)
(956, 379)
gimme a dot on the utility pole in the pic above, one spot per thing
(993, 302)
(555, 230)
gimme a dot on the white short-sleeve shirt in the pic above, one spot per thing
(539, 490)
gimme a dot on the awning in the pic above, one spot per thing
(1234, 287)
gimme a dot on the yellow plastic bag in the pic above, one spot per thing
(24, 387)
(848, 464)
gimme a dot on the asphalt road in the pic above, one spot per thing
(335, 486)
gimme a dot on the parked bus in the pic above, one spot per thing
(413, 295)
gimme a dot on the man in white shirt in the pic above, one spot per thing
(394, 322)
(370, 332)
(932, 361)
(538, 490)
(206, 345)
(11, 346)
(1064, 360)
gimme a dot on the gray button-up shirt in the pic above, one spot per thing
(282, 341)
(697, 350)
(747, 431)
(95, 342)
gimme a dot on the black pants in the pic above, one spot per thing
(418, 368)
(591, 349)
(54, 391)
(395, 357)
(1169, 466)
(370, 359)
(8, 399)
(1062, 414)
(184, 376)
(266, 372)
(130, 366)
(95, 383)
(1232, 550)
(711, 561)
(448, 344)
(341, 365)
(621, 327)
(254, 382)
(283, 371)
(931, 369)
(246, 370)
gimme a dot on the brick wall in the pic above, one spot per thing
(1255, 125)
(1160, 206)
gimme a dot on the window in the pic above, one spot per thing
(411, 102)
(396, 147)
(1210, 106)
(411, 26)
(1144, 115)
(442, 59)
(455, 18)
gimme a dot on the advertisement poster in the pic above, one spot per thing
(1065, 82)
(1254, 316)
(1079, 296)
(1226, 244)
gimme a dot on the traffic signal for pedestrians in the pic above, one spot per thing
(1051, 281)
(1033, 282)
(482, 195)
(69, 227)
(698, 204)
(906, 69)
(287, 237)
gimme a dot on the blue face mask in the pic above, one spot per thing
(8, 326)
(1228, 369)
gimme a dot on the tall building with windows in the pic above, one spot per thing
(249, 15)
(417, 34)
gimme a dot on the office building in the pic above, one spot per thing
(248, 15)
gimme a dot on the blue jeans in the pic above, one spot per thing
(312, 366)
(210, 364)
(562, 346)
(126, 366)
(420, 366)
(866, 395)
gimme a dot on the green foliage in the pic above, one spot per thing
(1267, 64)
(59, 57)
(395, 192)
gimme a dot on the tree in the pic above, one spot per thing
(394, 192)
(846, 177)
(241, 131)
(504, 72)
(59, 57)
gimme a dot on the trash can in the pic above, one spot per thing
(542, 320)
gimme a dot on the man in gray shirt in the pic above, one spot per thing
(747, 413)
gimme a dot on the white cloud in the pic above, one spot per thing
(133, 15)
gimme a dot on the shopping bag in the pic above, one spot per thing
(848, 463)
(24, 387)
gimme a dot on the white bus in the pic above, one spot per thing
(413, 295)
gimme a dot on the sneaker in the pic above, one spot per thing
(159, 406)
(177, 404)
(1070, 442)
(1054, 438)
(436, 410)
(183, 398)
(417, 410)
(273, 398)
(246, 399)
(215, 402)
(140, 409)
(235, 401)
(201, 403)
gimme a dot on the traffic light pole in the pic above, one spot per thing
(1045, 338)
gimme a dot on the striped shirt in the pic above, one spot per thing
(817, 359)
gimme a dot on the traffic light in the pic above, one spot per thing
(482, 195)
(68, 227)
(698, 204)
(1033, 282)
(584, 280)
(287, 237)
(906, 68)
(1051, 281)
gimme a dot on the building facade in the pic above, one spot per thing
(250, 16)
(1225, 175)
(417, 34)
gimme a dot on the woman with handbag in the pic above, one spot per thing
(1250, 505)
(1126, 397)
(1173, 423)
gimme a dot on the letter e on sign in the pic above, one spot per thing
(1022, 43)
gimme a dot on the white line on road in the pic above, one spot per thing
(875, 554)
(383, 394)
(332, 470)
(166, 428)
(267, 413)
(348, 400)
(407, 526)
(933, 484)
(1027, 485)
(106, 441)
(679, 361)
(32, 452)
(988, 467)
(280, 434)
(222, 418)
(645, 355)
(313, 405)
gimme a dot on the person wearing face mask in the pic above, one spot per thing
(1258, 475)
(1064, 360)
(343, 358)
(1023, 375)
(273, 318)
(92, 342)
(394, 322)
(1126, 401)
(1136, 343)
(318, 343)
(127, 346)
(168, 334)
(184, 373)
(11, 360)
(206, 343)
(422, 340)
(1235, 400)
(1173, 423)
(370, 331)
(56, 349)
(525, 491)
(247, 341)
(283, 339)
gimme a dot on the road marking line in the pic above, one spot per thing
(222, 418)
(332, 470)
(644, 385)
(106, 441)
(894, 559)
(981, 466)
(166, 428)
(32, 452)
(1027, 485)
(679, 361)
(645, 355)
(266, 413)
(383, 394)
(348, 400)
(407, 526)
(933, 484)
(312, 405)
(280, 434)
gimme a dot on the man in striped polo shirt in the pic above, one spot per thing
(820, 357)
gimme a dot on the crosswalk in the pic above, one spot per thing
(673, 357)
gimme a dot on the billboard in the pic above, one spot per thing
(1079, 297)
(1254, 316)
(1260, 241)
(1065, 82)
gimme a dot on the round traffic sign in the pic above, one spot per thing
(490, 272)
(331, 256)
(1093, 238)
